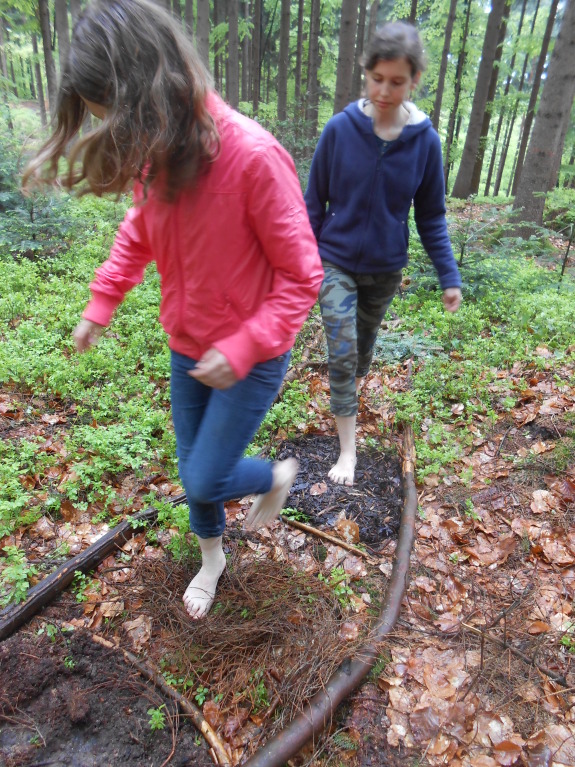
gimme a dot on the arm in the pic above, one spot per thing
(123, 269)
(278, 217)
(317, 192)
(429, 209)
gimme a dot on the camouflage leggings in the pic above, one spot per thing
(352, 308)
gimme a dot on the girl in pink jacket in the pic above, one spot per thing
(218, 207)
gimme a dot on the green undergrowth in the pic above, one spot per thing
(116, 396)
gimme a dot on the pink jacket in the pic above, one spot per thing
(238, 261)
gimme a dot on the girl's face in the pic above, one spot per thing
(389, 84)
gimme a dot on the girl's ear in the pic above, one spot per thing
(415, 80)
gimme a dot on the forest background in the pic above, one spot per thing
(87, 440)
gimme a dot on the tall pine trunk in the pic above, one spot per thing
(462, 187)
(284, 59)
(436, 111)
(346, 55)
(533, 96)
(543, 157)
(49, 67)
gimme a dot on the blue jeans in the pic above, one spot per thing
(213, 428)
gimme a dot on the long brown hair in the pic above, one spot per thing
(130, 57)
(395, 40)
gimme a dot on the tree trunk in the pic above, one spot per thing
(356, 86)
(298, 60)
(373, 9)
(233, 72)
(203, 30)
(457, 93)
(312, 101)
(246, 57)
(533, 96)
(189, 18)
(62, 30)
(49, 67)
(539, 174)
(478, 166)
(39, 84)
(177, 10)
(284, 59)
(509, 131)
(346, 56)
(256, 55)
(31, 77)
(436, 111)
(413, 12)
(503, 108)
(463, 182)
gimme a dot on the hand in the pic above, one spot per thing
(452, 299)
(214, 370)
(87, 334)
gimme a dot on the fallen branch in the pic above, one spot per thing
(44, 592)
(318, 712)
(328, 537)
(531, 661)
(221, 757)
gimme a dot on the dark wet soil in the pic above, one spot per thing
(66, 701)
(374, 501)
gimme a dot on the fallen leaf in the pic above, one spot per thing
(318, 489)
(348, 530)
(538, 627)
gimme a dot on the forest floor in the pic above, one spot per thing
(478, 672)
(497, 570)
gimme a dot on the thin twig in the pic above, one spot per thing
(531, 661)
(330, 538)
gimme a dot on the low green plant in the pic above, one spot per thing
(69, 662)
(295, 514)
(15, 576)
(338, 581)
(201, 694)
(258, 693)
(80, 583)
(157, 718)
(50, 630)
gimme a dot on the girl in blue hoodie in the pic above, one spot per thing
(372, 162)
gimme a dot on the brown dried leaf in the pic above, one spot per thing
(212, 714)
(348, 530)
(538, 627)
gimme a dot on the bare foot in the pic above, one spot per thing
(358, 385)
(344, 470)
(199, 596)
(267, 507)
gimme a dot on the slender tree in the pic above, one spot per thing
(49, 67)
(345, 59)
(312, 101)
(457, 92)
(233, 69)
(533, 96)
(543, 156)
(478, 166)
(62, 30)
(39, 84)
(256, 54)
(511, 124)
(359, 48)
(189, 17)
(503, 107)
(462, 187)
(299, 59)
(436, 111)
(203, 30)
(283, 64)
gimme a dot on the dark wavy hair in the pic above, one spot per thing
(132, 58)
(395, 40)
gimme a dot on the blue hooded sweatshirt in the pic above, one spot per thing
(359, 196)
